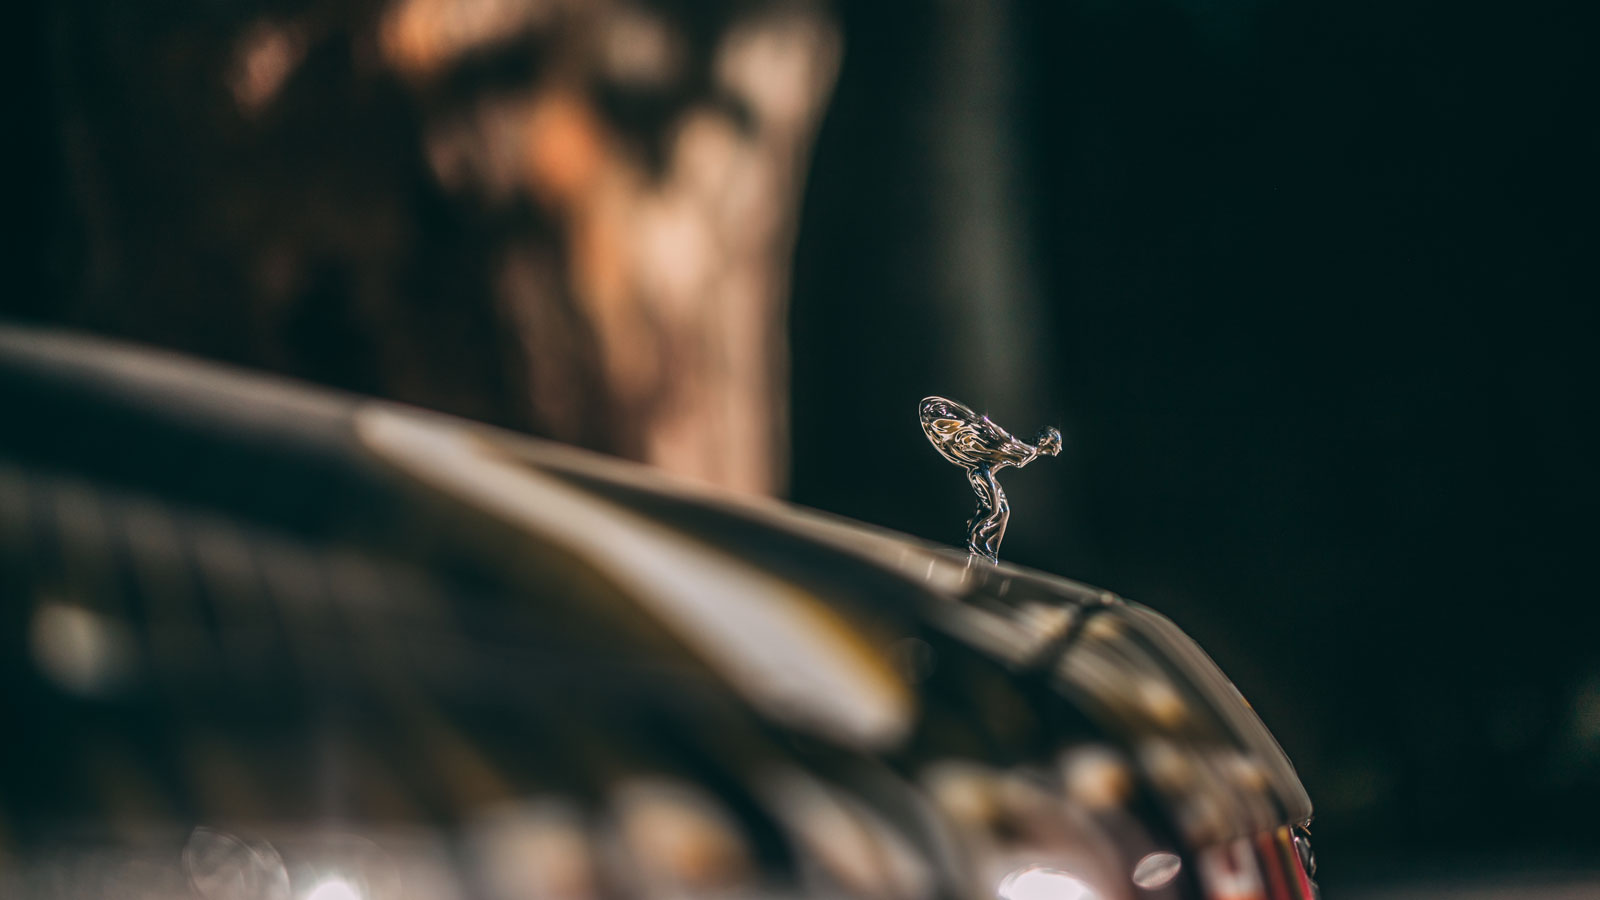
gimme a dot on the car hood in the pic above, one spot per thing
(225, 562)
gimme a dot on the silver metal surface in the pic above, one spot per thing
(982, 448)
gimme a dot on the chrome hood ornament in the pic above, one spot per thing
(982, 448)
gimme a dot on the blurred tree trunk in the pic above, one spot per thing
(572, 219)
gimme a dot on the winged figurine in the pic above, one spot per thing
(983, 448)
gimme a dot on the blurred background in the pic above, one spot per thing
(1309, 288)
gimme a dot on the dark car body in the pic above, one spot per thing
(263, 640)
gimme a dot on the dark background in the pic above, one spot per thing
(1310, 288)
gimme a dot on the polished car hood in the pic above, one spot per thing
(228, 561)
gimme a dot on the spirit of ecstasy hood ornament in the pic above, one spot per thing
(983, 449)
